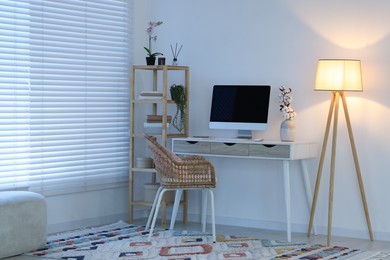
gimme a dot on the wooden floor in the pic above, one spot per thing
(363, 244)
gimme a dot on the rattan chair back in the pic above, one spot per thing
(181, 172)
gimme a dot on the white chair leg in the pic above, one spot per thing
(212, 215)
(176, 204)
(156, 213)
(153, 208)
(204, 209)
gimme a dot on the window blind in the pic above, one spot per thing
(69, 104)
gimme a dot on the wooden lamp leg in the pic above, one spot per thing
(321, 164)
(333, 110)
(332, 166)
(357, 166)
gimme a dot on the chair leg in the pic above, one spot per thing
(156, 213)
(176, 204)
(212, 215)
(204, 209)
(153, 208)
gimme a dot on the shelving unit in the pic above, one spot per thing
(155, 106)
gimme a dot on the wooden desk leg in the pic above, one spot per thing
(286, 176)
(309, 195)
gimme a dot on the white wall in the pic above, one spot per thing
(84, 209)
(278, 42)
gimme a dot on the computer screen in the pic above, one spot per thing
(240, 107)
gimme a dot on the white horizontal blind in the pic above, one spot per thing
(78, 110)
(14, 94)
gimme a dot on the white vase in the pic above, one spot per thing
(288, 131)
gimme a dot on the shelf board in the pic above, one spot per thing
(176, 135)
(149, 101)
(150, 204)
(160, 67)
(143, 170)
(159, 135)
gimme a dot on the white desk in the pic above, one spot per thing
(268, 150)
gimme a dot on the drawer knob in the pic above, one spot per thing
(269, 145)
(192, 142)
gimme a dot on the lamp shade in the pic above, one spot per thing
(339, 75)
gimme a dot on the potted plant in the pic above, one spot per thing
(179, 96)
(151, 58)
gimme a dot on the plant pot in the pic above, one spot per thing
(150, 60)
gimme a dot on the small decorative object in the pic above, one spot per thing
(161, 61)
(179, 96)
(175, 54)
(287, 131)
(151, 59)
(288, 126)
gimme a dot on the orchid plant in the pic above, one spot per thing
(149, 32)
(285, 100)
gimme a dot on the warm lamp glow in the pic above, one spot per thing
(354, 24)
(339, 75)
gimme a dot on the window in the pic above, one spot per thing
(64, 94)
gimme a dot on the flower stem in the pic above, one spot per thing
(150, 43)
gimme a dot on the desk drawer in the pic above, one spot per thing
(229, 149)
(274, 151)
(192, 147)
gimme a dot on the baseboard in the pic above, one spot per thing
(300, 228)
(352, 233)
(89, 222)
(281, 226)
(221, 220)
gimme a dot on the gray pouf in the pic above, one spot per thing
(23, 220)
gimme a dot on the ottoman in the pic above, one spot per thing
(22, 222)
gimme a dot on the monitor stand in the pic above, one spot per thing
(244, 134)
(250, 135)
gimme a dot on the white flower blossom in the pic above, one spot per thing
(149, 32)
(285, 99)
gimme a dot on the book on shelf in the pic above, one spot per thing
(157, 118)
(151, 94)
(148, 95)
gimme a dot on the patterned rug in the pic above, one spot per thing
(125, 241)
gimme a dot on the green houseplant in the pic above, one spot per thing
(179, 96)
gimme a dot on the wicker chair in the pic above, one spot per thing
(180, 174)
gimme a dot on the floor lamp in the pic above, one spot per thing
(338, 76)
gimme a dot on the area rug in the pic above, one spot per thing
(125, 241)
